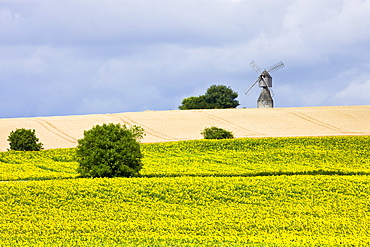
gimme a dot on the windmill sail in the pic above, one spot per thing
(275, 67)
(254, 65)
(251, 87)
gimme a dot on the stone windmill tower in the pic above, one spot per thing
(265, 81)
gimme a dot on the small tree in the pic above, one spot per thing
(216, 133)
(110, 150)
(24, 140)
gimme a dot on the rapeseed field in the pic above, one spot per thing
(239, 192)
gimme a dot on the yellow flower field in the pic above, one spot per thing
(194, 211)
(241, 157)
(264, 156)
(241, 192)
(48, 164)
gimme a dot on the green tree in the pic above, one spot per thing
(24, 140)
(195, 103)
(221, 97)
(216, 133)
(110, 150)
(216, 97)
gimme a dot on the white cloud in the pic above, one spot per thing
(356, 93)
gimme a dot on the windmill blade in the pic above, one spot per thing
(271, 92)
(254, 66)
(250, 89)
(276, 67)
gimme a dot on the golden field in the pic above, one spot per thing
(64, 131)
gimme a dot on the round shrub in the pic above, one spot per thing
(110, 150)
(24, 140)
(216, 133)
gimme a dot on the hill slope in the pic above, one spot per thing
(64, 131)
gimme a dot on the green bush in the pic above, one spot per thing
(24, 140)
(110, 150)
(216, 133)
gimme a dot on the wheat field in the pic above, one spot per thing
(174, 125)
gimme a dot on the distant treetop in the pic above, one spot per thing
(216, 97)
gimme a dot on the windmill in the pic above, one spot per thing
(265, 81)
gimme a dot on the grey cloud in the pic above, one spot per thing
(78, 57)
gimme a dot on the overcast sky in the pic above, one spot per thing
(68, 57)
